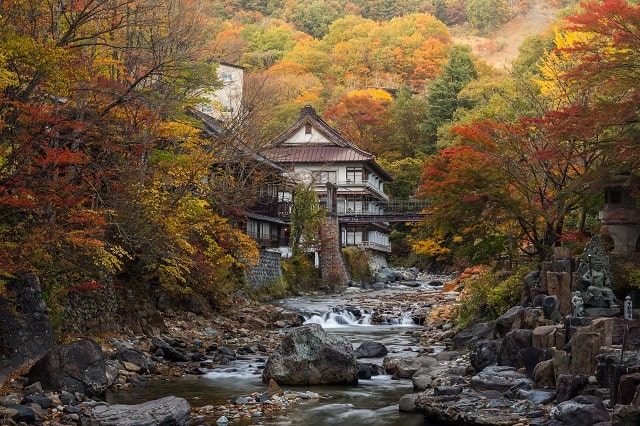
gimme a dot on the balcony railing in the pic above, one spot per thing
(375, 246)
(348, 185)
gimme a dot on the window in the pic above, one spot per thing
(353, 237)
(325, 176)
(354, 174)
(307, 129)
(226, 77)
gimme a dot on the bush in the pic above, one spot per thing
(488, 296)
(299, 273)
(358, 264)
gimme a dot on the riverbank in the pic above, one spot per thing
(207, 344)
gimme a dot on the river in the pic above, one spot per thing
(371, 402)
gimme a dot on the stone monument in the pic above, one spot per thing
(594, 281)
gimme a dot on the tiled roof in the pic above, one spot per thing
(317, 154)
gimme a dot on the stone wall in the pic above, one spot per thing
(25, 330)
(377, 261)
(268, 271)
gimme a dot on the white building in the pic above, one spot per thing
(225, 103)
(313, 153)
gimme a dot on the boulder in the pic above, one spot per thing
(499, 378)
(583, 410)
(484, 353)
(468, 336)
(405, 367)
(310, 356)
(76, 367)
(167, 351)
(513, 342)
(569, 386)
(168, 411)
(370, 349)
(544, 375)
(531, 357)
(504, 322)
(138, 358)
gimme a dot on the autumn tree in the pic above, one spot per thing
(98, 166)
(362, 117)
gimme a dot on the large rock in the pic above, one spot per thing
(583, 410)
(512, 344)
(310, 356)
(484, 353)
(76, 367)
(168, 411)
(370, 349)
(468, 336)
(406, 367)
(499, 378)
(25, 330)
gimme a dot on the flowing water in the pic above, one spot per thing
(371, 402)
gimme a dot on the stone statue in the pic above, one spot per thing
(594, 281)
(578, 304)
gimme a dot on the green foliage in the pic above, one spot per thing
(490, 295)
(300, 273)
(358, 264)
(442, 95)
(406, 177)
(277, 289)
(307, 217)
(486, 15)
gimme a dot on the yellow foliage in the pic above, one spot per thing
(379, 94)
(430, 247)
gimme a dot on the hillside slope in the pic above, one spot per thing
(500, 48)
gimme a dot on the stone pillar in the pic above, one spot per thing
(585, 346)
(332, 268)
(559, 284)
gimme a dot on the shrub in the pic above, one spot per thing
(488, 296)
(358, 264)
(299, 273)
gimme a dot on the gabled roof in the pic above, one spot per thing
(215, 128)
(335, 149)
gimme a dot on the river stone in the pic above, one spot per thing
(484, 353)
(583, 410)
(500, 378)
(570, 385)
(309, 356)
(468, 336)
(513, 342)
(76, 367)
(406, 367)
(370, 349)
(168, 411)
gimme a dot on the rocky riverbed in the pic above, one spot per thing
(523, 369)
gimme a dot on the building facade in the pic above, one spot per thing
(313, 153)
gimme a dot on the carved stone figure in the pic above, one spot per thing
(578, 304)
(594, 281)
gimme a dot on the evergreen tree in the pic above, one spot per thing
(442, 94)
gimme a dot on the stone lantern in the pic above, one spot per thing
(620, 217)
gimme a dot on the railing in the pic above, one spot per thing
(375, 246)
(356, 185)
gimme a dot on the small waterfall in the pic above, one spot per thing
(405, 319)
(339, 317)
(343, 317)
